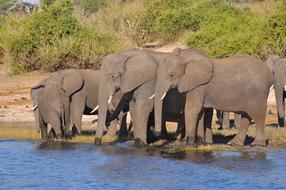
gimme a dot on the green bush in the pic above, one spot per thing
(52, 39)
(90, 6)
(273, 39)
(225, 30)
(167, 19)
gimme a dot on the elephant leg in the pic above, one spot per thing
(239, 138)
(219, 115)
(164, 131)
(180, 132)
(139, 116)
(200, 129)
(237, 119)
(208, 116)
(43, 129)
(123, 132)
(111, 131)
(77, 109)
(193, 106)
(225, 120)
(259, 118)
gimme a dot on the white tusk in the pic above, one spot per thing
(163, 96)
(109, 99)
(94, 109)
(151, 97)
(35, 107)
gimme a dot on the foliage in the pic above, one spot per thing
(52, 39)
(273, 39)
(225, 30)
(91, 6)
(59, 36)
(5, 5)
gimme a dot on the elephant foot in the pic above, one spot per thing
(139, 143)
(259, 143)
(190, 141)
(179, 137)
(235, 142)
(98, 140)
(52, 134)
(200, 140)
(156, 133)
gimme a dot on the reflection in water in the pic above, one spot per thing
(61, 165)
(56, 145)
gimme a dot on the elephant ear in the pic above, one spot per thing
(72, 82)
(138, 70)
(35, 90)
(197, 72)
(270, 62)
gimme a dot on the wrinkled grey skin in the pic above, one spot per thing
(50, 112)
(134, 73)
(60, 83)
(81, 90)
(277, 66)
(245, 91)
(127, 71)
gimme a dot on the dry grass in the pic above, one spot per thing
(276, 136)
(28, 132)
(261, 7)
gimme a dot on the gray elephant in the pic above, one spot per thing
(277, 66)
(134, 73)
(80, 88)
(203, 81)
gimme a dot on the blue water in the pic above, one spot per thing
(35, 165)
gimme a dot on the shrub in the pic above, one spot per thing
(273, 39)
(225, 30)
(52, 39)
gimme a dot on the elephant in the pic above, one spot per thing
(277, 66)
(134, 72)
(224, 121)
(203, 80)
(81, 93)
(50, 112)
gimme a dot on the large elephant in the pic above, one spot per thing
(203, 81)
(80, 88)
(278, 67)
(135, 73)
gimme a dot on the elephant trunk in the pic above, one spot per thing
(160, 94)
(279, 90)
(36, 113)
(124, 101)
(102, 112)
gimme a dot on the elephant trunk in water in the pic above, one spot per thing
(102, 112)
(280, 103)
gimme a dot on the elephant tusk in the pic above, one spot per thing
(94, 109)
(35, 107)
(109, 99)
(163, 96)
(151, 97)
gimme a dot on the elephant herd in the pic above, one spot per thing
(182, 86)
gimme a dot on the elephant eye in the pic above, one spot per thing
(172, 75)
